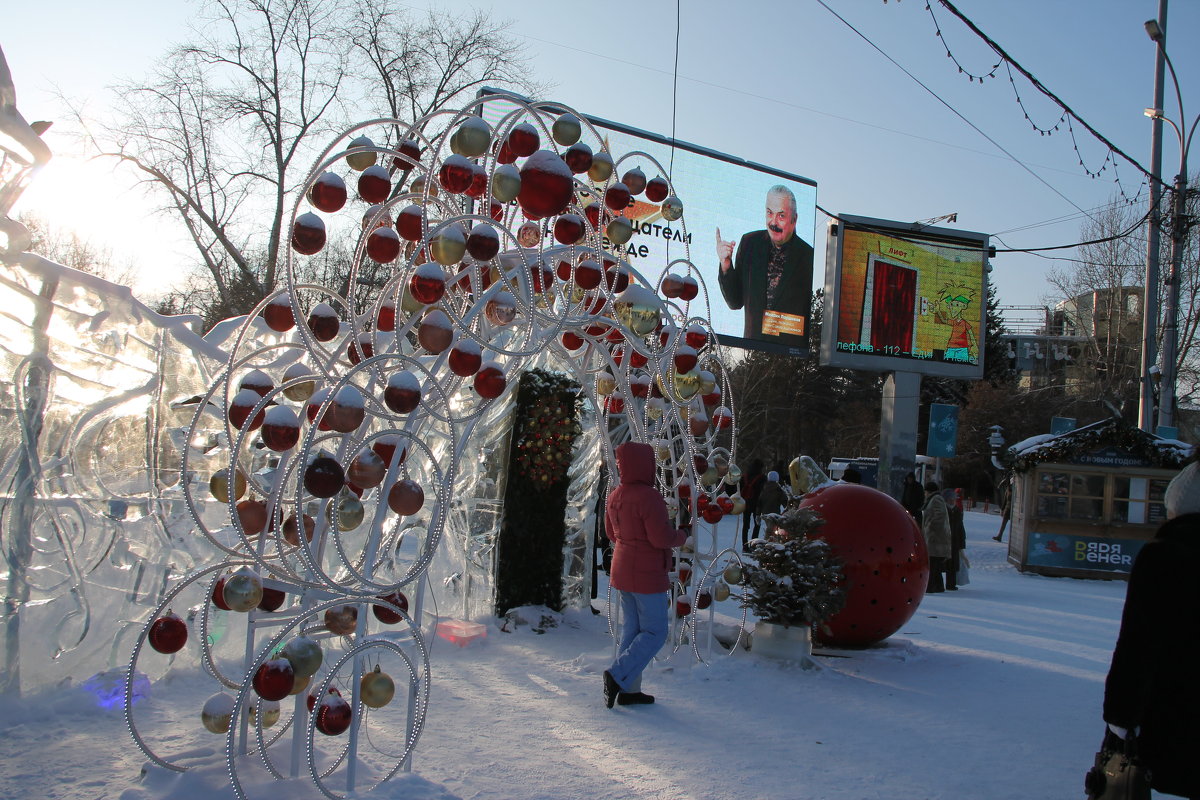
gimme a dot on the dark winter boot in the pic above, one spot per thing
(634, 699)
(611, 689)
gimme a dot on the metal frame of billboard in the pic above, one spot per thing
(914, 233)
(629, 130)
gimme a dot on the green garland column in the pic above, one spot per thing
(529, 554)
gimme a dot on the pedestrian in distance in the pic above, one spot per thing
(643, 539)
(935, 526)
(1152, 695)
(912, 497)
(772, 499)
(752, 481)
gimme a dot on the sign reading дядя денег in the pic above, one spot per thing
(1065, 551)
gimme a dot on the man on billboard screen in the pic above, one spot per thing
(771, 275)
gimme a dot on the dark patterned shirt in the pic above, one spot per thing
(775, 271)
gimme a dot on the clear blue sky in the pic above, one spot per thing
(789, 85)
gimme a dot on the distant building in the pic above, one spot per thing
(1093, 336)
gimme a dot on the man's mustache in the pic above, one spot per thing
(775, 228)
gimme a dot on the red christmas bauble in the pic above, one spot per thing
(241, 406)
(408, 223)
(569, 229)
(386, 446)
(523, 140)
(465, 358)
(383, 245)
(386, 615)
(490, 381)
(333, 716)
(308, 234)
(483, 243)
(657, 190)
(324, 477)
(712, 514)
(578, 158)
(168, 634)
(328, 193)
(455, 174)
(272, 599)
(689, 289)
(278, 314)
(884, 558)
(374, 184)
(274, 679)
(546, 185)
(403, 392)
(323, 322)
(617, 197)
(571, 341)
(683, 606)
(406, 497)
(672, 285)
(218, 595)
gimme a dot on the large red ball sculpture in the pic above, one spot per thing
(884, 559)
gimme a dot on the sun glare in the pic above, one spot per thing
(105, 207)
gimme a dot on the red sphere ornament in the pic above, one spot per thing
(483, 243)
(386, 446)
(291, 529)
(278, 314)
(403, 392)
(505, 154)
(672, 285)
(479, 182)
(615, 403)
(411, 150)
(578, 158)
(883, 556)
(703, 599)
(697, 423)
(617, 197)
(315, 401)
(683, 606)
(465, 358)
(428, 283)
(689, 289)
(712, 514)
(367, 469)
(684, 488)
(374, 184)
(696, 336)
(541, 277)
(571, 341)
(241, 406)
(385, 320)
(218, 595)
(323, 322)
(496, 210)
(324, 477)
(569, 229)
(272, 599)
(252, 515)
(409, 222)
(168, 634)
(383, 245)
(639, 386)
(386, 615)
(501, 309)
(308, 234)
(455, 174)
(333, 716)
(657, 190)
(588, 274)
(361, 348)
(273, 680)
(546, 185)
(257, 380)
(685, 359)
(722, 418)
(435, 332)
(490, 381)
(328, 193)
(347, 411)
(406, 497)
(523, 140)
(635, 179)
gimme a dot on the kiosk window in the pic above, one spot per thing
(1138, 501)
(1071, 495)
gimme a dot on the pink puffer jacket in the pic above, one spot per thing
(636, 522)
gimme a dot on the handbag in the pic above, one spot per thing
(963, 576)
(1117, 773)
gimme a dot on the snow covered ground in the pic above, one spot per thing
(993, 691)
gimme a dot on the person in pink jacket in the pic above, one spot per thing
(643, 537)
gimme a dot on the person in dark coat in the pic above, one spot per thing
(772, 499)
(752, 482)
(643, 538)
(1152, 689)
(958, 539)
(912, 497)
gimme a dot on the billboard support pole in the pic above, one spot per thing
(898, 429)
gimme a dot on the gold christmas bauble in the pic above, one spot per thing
(687, 384)
(733, 574)
(448, 246)
(218, 484)
(720, 591)
(350, 512)
(739, 504)
(217, 713)
(270, 712)
(672, 208)
(506, 183)
(601, 168)
(243, 590)
(474, 137)
(619, 230)
(606, 384)
(733, 475)
(376, 689)
(360, 156)
(342, 620)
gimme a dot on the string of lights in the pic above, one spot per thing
(951, 108)
(1037, 84)
(971, 76)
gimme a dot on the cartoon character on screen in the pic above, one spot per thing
(962, 345)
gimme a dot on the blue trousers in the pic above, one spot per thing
(643, 633)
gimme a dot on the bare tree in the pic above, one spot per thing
(226, 128)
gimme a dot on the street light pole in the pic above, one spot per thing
(1150, 288)
(1179, 229)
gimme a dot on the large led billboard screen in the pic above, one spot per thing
(747, 228)
(904, 297)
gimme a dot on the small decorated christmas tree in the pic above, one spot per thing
(795, 582)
